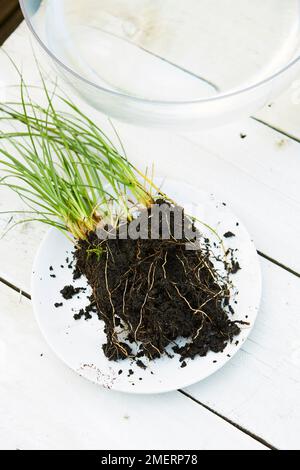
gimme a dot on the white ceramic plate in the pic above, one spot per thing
(79, 343)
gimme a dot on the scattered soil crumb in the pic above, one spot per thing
(58, 305)
(229, 235)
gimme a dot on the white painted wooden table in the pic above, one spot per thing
(253, 402)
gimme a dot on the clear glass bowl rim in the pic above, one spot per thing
(136, 99)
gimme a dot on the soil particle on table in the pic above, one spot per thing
(53, 276)
(58, 305)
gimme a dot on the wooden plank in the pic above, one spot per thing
(260, 387)
(44, 405)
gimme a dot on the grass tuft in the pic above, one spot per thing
(64, 167)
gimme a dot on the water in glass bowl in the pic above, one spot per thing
(172, 50)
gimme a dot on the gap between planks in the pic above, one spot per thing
(276, 129)
(240, 428)
(277, 263)
(15, 288)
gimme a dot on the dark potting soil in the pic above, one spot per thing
(153, 292)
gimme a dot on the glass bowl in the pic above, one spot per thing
(171, 63)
